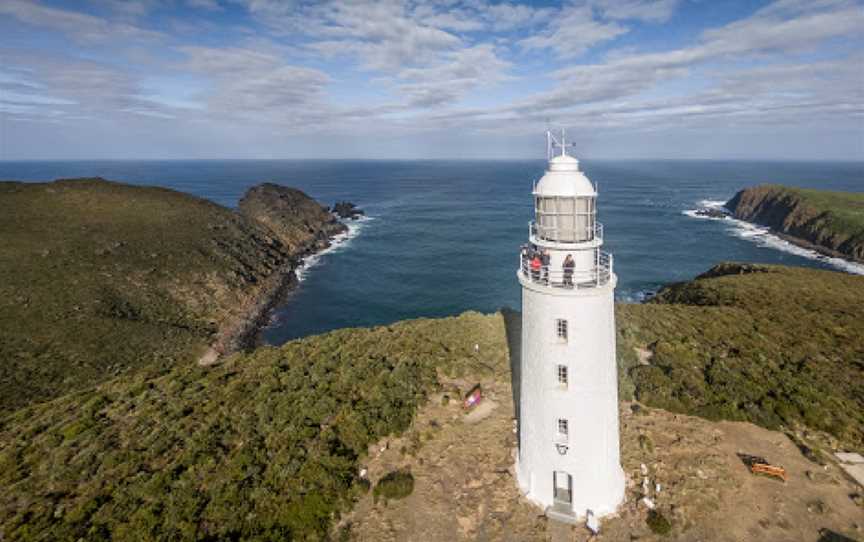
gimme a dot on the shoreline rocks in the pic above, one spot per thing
(712, 213)
(347, 210)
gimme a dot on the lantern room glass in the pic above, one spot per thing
(565, 219)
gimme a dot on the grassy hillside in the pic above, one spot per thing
(769, 344)
(267, 445)
(833, 221)
(97, 278)
(262, 447)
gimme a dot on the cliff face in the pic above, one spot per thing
(830, 221)
(296, 219)
(99, 278)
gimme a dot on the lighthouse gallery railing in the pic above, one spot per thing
(578, 278)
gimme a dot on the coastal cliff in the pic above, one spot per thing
(99, 278)
(830, 222)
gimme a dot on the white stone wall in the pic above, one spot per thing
(589, 403)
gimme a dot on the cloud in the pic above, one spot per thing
(208, 5)
(382, 35)
(506, 16)
(61, 87)
(406, 67)
(462, 72)
(572, 32)
(80, 26)
(257, 84)
(645, 10)
(770, 31)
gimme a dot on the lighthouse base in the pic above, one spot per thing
(601, 500)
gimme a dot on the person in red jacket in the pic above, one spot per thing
(536, 264)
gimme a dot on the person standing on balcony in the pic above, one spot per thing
(536, 264)
(545, 261)
(569, 264)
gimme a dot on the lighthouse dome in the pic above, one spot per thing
(563, 179)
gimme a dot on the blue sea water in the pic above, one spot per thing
(442, 236)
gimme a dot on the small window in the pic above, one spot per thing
(562, 429)
(562, 375)
(561, 329)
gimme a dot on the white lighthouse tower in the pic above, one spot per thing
(568, 459)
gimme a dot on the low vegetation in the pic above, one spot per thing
(262, 447)
(777, 346)
(99, 278)
(107, 292)
(395, 485)
(658, 523)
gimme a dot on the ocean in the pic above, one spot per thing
(441, 237)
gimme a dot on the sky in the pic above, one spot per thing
(638, 79)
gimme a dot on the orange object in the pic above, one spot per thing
(770, 470)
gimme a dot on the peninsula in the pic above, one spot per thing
(830, 222)
(99, 278)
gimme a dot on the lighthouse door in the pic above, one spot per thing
(563, 487)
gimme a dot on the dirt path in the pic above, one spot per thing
(465, 490)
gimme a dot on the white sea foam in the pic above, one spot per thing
(337, 243)
(762, 236)
(635, 296)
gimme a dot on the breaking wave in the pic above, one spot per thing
(337, 243)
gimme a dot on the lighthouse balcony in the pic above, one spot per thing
(558, 277)
(564, 236)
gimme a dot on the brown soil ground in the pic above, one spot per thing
(465, 490)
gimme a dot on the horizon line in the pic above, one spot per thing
(445, 159)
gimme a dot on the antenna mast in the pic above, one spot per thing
(552, 143)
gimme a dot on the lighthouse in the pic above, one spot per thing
(568, 459)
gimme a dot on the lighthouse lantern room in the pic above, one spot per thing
(568, 459)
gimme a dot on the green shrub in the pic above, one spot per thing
(658, 523)
(395, 485)
(781, 347)
(264, 446)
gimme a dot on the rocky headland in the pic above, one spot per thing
(829, 222)
(99, 278)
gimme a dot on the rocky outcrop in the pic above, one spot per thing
(830, 222)
(346, 209)
(300, 222)
(712, 213)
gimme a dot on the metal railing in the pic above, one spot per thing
(553, 234)
(570, 279)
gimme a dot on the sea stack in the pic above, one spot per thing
(568, 459)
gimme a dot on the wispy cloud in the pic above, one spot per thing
(423, 66)
(80, 26)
